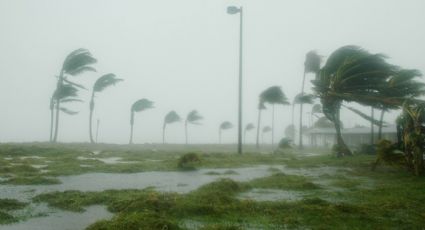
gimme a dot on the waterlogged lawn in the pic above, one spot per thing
(297, 190)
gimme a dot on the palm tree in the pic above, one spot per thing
(266, 129)
(248, 128)
(101, 83)
(75, 63)
(311, 65)
(261, 106)
(170, 118)
(316, 109)
(192, 118)
(65, 94)
(138, 106)
(223, 126)
(273, 95)
(301, 99)
(354, 75)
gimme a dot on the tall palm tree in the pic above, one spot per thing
(138, 106)
(311, 65)
(265, 129)
(354, 75)
(75, 63)
(261, 106)
(301, 99)
(273, 95)
(65, 94)
(101, 83)
(223, 126)
(248, 127)
(192, 118)
(170, 118)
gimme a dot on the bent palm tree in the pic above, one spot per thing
(192, 118)
(354, 75)
(273, 95)
(301, 99)
(101, 83)
(223, 126)
(170, 118)
(138, 106)
(75, 63)
(248, 128)
(261, 106)
(266, 129)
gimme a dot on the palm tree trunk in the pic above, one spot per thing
(342, 150)
(185, 131)
(272, 125)
(257, 144)
(52, 107)
(91, 118)
(163, 133)
(58, 87)
(372, 127)
(97, 129)
(301, 113)
(381, 123)
(131, 127)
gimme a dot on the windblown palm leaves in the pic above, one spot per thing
(354, 75)
(170, 118)
(301, 99)
(248, 127)
(224, 126)
(192, 118)
(75, 63)
(272, 95)
(138, 106)
(101, 84)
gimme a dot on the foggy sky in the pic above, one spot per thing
(183, 55)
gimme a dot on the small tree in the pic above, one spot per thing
(170, 118)
(101, 83)
(138, 106)
(192, 118)
(248, 128)
(223, 126)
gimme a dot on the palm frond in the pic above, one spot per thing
(74, 84)
(105, 81)
(77, 61)
(193, 117)
(226, 125)
(65, 91)
(171, 117)
(312, 62)
(365, 116)
(141, 105)
(249, 127)
(67, 100)
(304, 99)
(317, 108)
(274, 95)
(67, 111)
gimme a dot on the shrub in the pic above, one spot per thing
(189, 161)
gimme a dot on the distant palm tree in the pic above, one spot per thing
(261, 106)
(224, 126)
(66, 93)
(102, 83)
(248, 128)
(301, 99)
(76, 62)
(138, 106)
(266, 129)
(170, 118)
(192, 118)
(311, 65)
(273, 95)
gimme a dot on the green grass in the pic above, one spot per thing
(7, 205)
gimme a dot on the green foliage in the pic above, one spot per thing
(78, 62)
(105, 81)
(273, 95)
(285, 143)
(32, 180)
(171, 117)
(189, 161)
(193, 117)
(302, 98)
(283, 181)
(324, 122)
(226, 125)
(249, 127)
(312, 62)
(367, 149)
(11, 204)
(141, 105)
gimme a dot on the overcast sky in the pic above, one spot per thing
(183, 55)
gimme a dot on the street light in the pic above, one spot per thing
(235, 10)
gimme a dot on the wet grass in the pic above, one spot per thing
(8, 205)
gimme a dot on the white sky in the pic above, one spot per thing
(183, 55)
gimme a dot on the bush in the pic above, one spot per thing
(285, 143)
(189, 161)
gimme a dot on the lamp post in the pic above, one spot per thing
(235, 10)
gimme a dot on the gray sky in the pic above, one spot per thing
(183, 55)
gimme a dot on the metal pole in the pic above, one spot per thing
(240, 85)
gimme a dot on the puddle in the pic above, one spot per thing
(161, 181)
(64, 220)
(271, 195)
(108, 160)
(31, 157)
